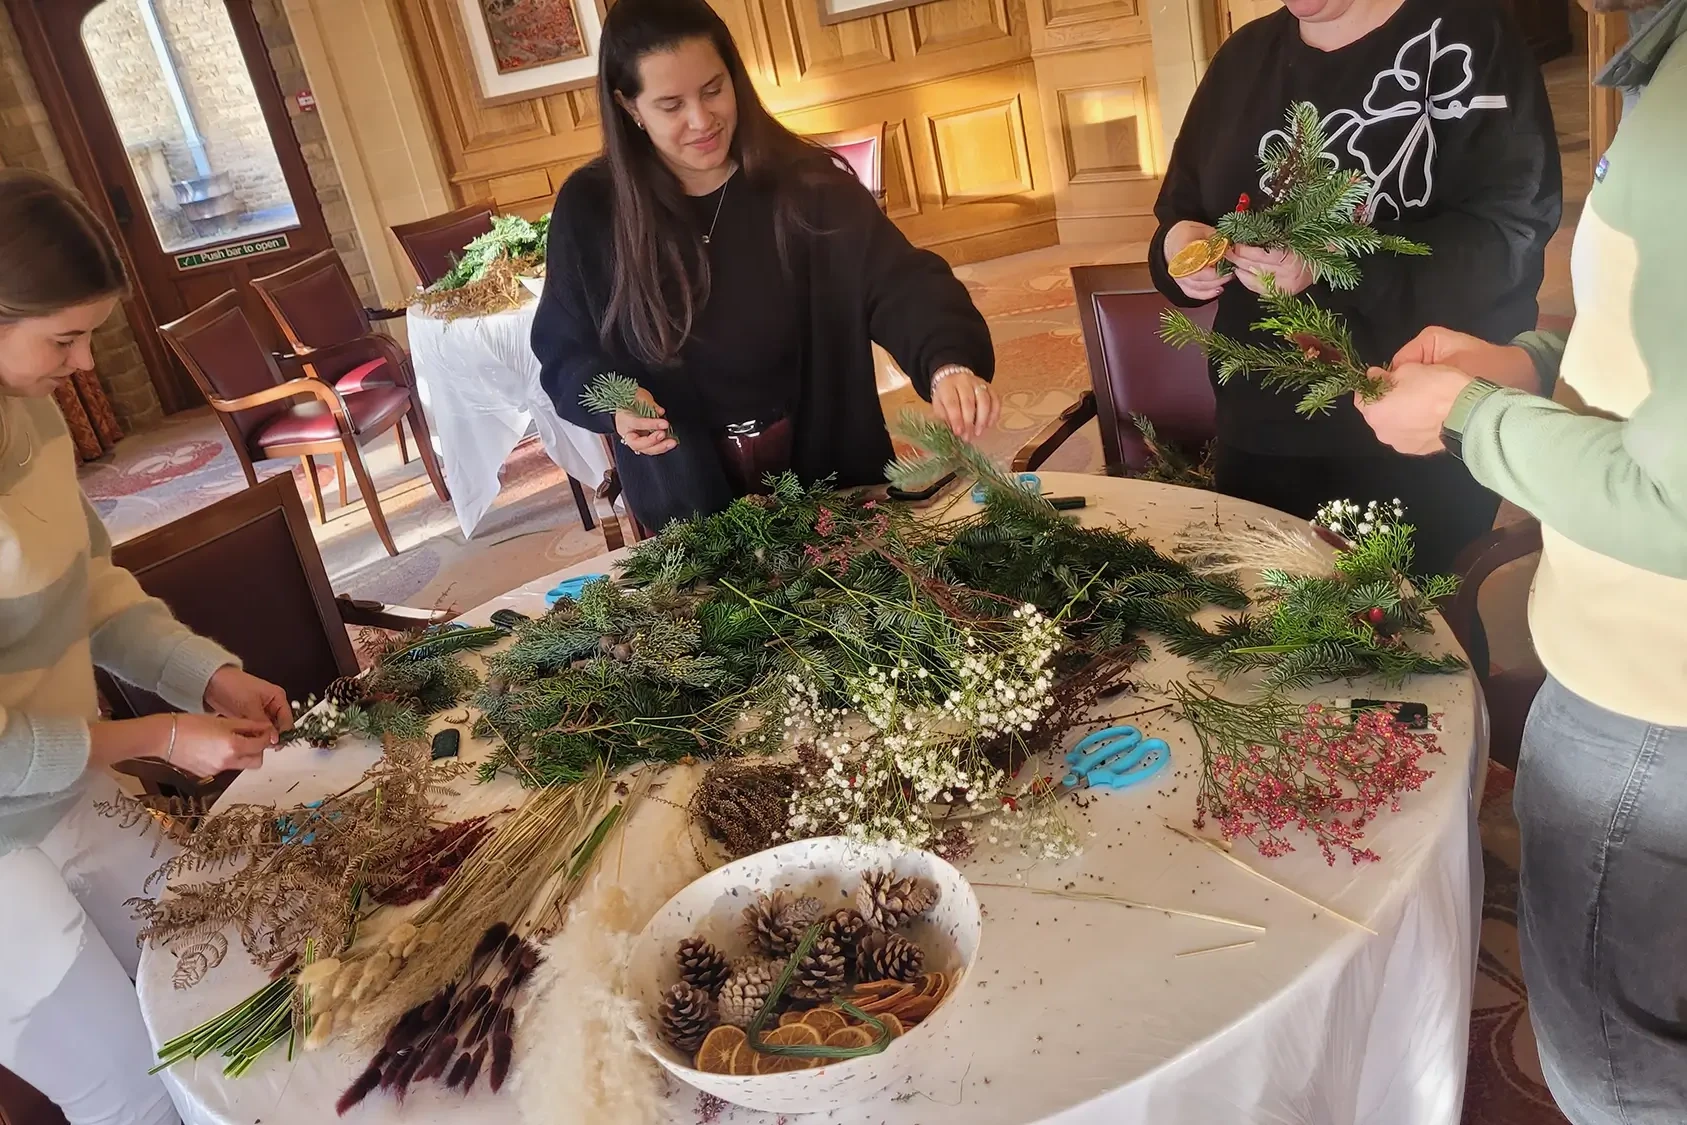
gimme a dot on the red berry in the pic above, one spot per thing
(1376, 615)
(1245, 202)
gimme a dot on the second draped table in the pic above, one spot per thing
(479, 383)
(1079, 1012)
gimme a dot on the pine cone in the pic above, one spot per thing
(847, 928)
(345, 691)
(889, 903)
(746, 990)
(775, 923)
(701, 965)
(688, 1014)
(888, 956)
(820, 975)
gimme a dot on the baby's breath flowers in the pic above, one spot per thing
(1347, 520)
(907, 760)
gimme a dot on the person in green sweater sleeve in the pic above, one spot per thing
(70, 1024)
(1601, 793)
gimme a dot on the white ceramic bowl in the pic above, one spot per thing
(829, 868)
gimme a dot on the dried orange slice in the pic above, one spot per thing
(825, 1020)
(851, 1037)
(791, 1035)
(715, 1055)
(934, 984)
(1217, 247)
(870, 990)
(890, 1003)
(788, 1018)
(916, 1009)
(1191, 260)
(744, 1060)
(892, 1023)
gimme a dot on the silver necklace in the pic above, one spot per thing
(719, 203)
(6, 434)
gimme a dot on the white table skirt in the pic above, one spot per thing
(1083, 1013)
(479, 383)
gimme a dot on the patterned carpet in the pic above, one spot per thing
(155, 477)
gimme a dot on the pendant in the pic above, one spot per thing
(706, 239)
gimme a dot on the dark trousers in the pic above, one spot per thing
(1443, 502)
(1601, 802)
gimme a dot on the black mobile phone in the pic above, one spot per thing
(1067, 503)
(1412, 716)
(923, 494)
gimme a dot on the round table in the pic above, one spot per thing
(1084, 1011)
(479, 383)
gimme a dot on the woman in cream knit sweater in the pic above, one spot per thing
(69, 1021)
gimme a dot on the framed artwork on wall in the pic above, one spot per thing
(525, 49)
(841, 11)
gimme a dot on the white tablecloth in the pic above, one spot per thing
(1084, 1013)
(479, 383)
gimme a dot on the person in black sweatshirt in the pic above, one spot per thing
(740, 274)
(1440, 104)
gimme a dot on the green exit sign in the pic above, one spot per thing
(217, 255)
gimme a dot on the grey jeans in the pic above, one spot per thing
(1602, 803)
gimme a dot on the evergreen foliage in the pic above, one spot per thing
(1320, 360)
(1168, 464)
(511, 237)
(1317, 209)
(1314, 628)
(611, 392)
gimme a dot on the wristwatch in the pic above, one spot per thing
(1452, 430)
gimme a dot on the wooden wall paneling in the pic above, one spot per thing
(967, 160)
(1095, 73)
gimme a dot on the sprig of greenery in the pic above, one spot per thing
(511, 237)
(942, 452)
(1317, 358)
(1317, 209)
(611, 392)
(1169, 464)
(1316, 628)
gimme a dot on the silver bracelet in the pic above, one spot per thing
(175, 725)
(945, 371)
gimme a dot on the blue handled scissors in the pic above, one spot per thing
(570, 588)
(1030, 482)
(1115, 758)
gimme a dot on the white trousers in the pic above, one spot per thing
(70, 1024)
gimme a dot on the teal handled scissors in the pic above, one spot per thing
(1115, 758)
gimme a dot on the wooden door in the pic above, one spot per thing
(173, 121)
(1235, 13)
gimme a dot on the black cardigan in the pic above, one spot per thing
(865, 283)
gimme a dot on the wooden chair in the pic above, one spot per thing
(267, 416)
(433, 245)
(23, 1104)
(246, 573)
(1511, 692)
(863, 149)
(1132, 371)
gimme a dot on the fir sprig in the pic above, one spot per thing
(1318, 627)
(941, 451)
(511, 237)
(1317, 357)
(1317, 209)
(611, 392)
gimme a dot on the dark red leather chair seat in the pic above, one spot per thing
(311, 421)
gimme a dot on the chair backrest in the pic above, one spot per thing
(1134, 371)
(246, 573)
(432, 245)
(317, 306)
(863, 149)
(227, 360)
(23, 1104)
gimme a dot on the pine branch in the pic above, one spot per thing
(610, 393)
(1317, 209)
(946, 453)
(1318, 357)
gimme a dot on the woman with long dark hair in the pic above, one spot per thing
(741, 275)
